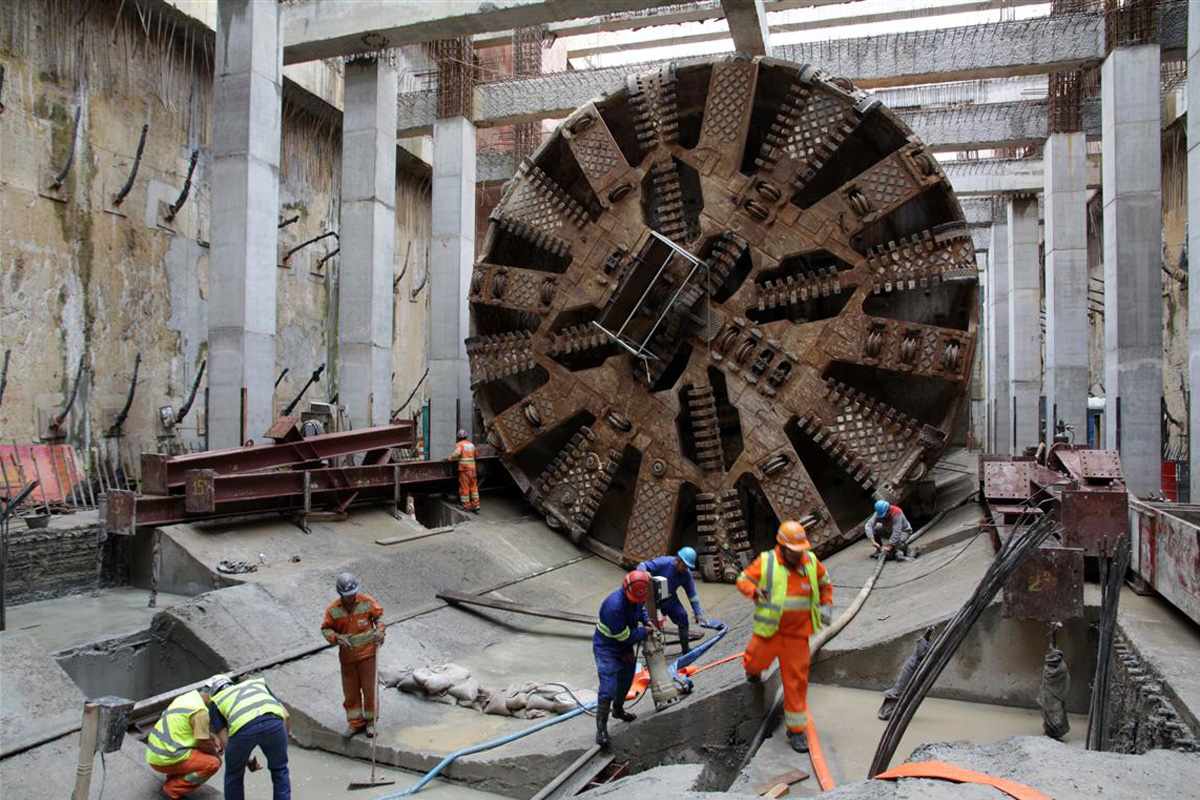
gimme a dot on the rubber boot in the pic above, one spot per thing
(798, 740)
(602, 709)
(620, 713)
(753, 677)
(684, 644)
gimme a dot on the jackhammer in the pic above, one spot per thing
(664, 688)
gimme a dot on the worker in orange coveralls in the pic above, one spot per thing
(787, 612)
(468, 481)
(354, 622)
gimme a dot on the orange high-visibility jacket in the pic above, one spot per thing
(359, 624)
(793, 623)
(464, 454)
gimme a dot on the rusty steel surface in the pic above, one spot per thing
(1094, 519)
(164, 474)
(1047, 587)
(1166, 551)
(731, 293)
(210, 495)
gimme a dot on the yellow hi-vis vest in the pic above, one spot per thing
(171, 740)
(244, 702)
(773, 579)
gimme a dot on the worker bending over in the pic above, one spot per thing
(889, 530)
(792, 591)
(619, 627)
(253, 717)
(182, 745)
(677, 569)
(354, 622)
(468, 479)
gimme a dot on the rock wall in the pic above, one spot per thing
(1142, 715)
(82, 279)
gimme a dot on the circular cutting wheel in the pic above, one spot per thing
(731, 293)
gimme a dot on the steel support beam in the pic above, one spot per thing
(747, 26)
(166, 474)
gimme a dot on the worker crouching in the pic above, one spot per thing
(182, 746)
(619, 628)
(792, 593)
(889, 531)
(354, 622)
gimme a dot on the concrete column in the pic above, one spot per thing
(1193, 228)
(996, 300)
(1066, 283)
(452, 259)
(368, 242)
(979, 405)
(1130, 111)
(1024, 324)
(245, 217)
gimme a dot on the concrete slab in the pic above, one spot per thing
(48, 772)
(38, 697)
(1062, 771)
(676, 781)
(78, 619)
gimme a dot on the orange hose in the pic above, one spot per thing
(641, 681)
(949, 772)
(815, 754)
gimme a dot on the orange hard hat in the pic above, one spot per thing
(637, 586)
(792, 536)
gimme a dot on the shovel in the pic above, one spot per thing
(373, 781)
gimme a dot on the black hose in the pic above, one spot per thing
(173, 209)
(119, 197)
(62, 173)
(1020, 544)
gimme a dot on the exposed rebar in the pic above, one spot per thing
(119, 422)
(187, 406)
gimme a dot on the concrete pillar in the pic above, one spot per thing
(1066, 283)
(452, 259)
(1193, 228)
(979, 405)
(245, 218)
(1024, 324)
(368, 242)
(996, 299)
(1130, 112)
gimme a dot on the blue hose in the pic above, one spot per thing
(676, 665)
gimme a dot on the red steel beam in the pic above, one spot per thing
(209, 496)
(166, 474)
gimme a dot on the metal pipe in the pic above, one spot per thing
(119, 197)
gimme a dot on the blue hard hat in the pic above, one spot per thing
(882, 507)
(688, 555)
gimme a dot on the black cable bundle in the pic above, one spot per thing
(1012, 553)
(1112, 575)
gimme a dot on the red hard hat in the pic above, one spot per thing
(637, 586)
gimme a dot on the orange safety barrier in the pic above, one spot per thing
(949, 772)
(817, 756)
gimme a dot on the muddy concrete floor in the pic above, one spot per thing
(849, 731)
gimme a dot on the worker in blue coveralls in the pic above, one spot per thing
(677, 569)
(620, 625)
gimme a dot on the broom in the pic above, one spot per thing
(372, 782)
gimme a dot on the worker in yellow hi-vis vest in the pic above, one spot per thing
(181, 744)
(793, 594)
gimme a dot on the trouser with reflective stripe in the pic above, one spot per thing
(615, 668)
(185, 777)
(270, 734)
(792, 652)
(358, 692)
(468, 486)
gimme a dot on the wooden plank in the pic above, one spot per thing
(456, 598)
(779, 790)
(785, 778)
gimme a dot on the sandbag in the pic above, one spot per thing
(1052, 694)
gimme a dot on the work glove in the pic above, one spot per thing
(380, 635)
(760, 595)
(826, 616)
(343, 640)
(701, 620)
